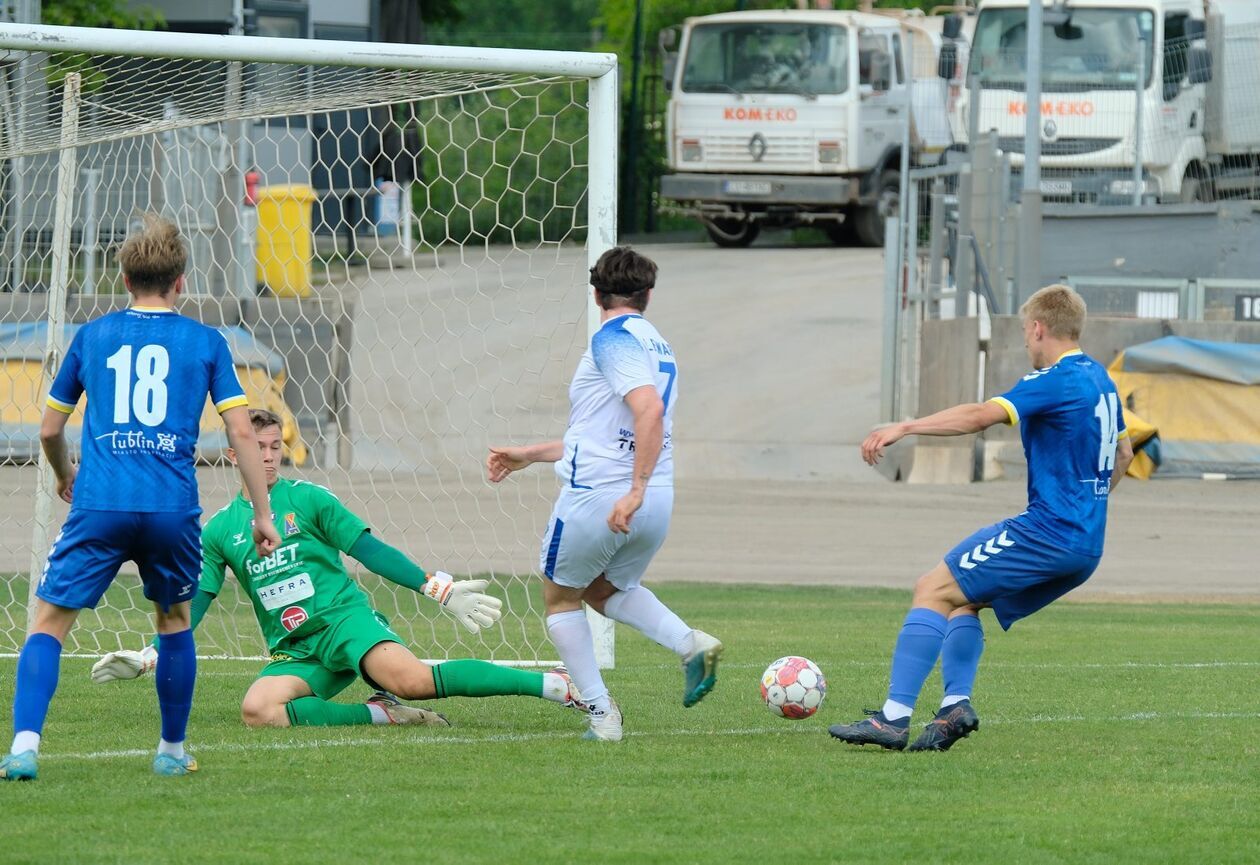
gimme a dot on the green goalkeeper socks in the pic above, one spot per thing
(314, 712)
(482, 679)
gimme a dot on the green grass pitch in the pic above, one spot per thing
(1110, 733)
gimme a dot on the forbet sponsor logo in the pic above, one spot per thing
(284, 557)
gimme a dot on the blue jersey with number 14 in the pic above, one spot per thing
(146, 373)
(1070, 421)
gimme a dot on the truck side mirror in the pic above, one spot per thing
(1195, 29)
(669, 64)
(1199, 65)
(667, 39)
(951, 28)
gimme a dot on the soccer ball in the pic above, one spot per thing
(793, 687)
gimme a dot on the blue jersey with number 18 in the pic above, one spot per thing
(146, 372)
(1070, 421)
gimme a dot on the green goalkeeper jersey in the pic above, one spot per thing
(298, 588)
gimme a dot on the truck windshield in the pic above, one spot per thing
(1095, 49)
(747, 57)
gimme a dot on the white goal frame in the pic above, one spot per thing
(599, 69)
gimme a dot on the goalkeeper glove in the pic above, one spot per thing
(124, 664)
(465, 600)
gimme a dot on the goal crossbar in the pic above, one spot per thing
(266, 49)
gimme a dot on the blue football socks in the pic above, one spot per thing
(960, 657)
(918, 646)
(176, 675)
(38, 668)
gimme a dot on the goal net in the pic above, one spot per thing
(395, 241)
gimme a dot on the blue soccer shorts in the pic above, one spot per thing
(1015, 571)
(93, 545)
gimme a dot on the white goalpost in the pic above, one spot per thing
(395, 241)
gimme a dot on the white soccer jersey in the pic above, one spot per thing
(626, 353)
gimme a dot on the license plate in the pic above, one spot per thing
(747, 187)
(1056, 187)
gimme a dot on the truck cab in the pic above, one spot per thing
(791, 117)
(1119, 78)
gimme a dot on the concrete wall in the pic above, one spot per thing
(1189, 241)
(948, 375)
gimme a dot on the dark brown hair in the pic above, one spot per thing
(623, 277)
(153, 257)
(261, 419)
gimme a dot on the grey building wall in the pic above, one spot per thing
(1190, 241)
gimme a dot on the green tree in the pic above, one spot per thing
(100, 13)
(91, 13)
(558, 25)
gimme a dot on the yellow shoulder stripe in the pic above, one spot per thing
(230, 402)
(1012, 416)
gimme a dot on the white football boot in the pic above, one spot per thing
(605, 726)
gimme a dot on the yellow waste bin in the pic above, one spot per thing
(284, 239)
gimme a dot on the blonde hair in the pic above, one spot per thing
(153, 257)
(1060, 310)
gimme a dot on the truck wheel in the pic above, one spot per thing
(1197, 189)
(732, 233)
(868, 222)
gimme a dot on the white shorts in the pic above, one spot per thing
(579, 546)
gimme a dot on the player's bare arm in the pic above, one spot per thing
(1124, 456)
(52, 436)
(502, 461)
(240, 433)
(649, 435)
(959, 420)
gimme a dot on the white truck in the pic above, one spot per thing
(790, 117)
(1193, 67)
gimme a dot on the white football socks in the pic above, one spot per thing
(555, 688)
(572, 637)
(378, 713)
(175, 749)
(895, 711)
(951, 699)
(643, 611)
(27, 740)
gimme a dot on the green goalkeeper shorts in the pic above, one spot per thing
(328, 660)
